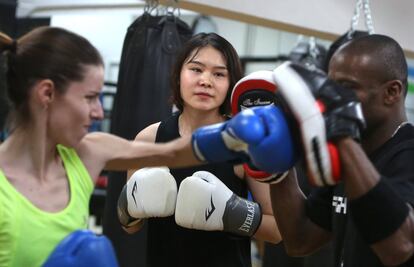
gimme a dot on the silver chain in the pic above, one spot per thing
(399, 127)
(368, 17)
(364, 5)
(312, 47)
(171, 6)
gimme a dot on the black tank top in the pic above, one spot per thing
(174, 246)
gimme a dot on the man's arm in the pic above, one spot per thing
(361, 178)
(300, 235)
(268, 230)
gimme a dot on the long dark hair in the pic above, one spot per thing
(197, 42)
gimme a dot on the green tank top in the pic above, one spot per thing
(27, 234)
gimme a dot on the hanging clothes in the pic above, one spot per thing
(142, 98)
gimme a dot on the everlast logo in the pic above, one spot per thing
(249, 218)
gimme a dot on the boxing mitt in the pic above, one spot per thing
(254, 90)
(324, 112)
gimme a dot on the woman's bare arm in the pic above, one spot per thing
(101, 151)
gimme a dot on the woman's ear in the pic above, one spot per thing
(44, 92)
(393, 92)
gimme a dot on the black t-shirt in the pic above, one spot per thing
(327, 207)
(172, 245)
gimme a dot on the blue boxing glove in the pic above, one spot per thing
(276, 151)
(83, 248)
(228, 141)
(256, 89)
(258, 135)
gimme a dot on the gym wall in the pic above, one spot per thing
(105, 25)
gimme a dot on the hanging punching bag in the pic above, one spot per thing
(343, 39)
(308, 54)
(142, 98)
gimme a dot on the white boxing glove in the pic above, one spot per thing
(150, 192)
(205, 203)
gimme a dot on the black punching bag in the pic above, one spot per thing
(142, 98)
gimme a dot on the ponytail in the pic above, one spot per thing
(7, 43)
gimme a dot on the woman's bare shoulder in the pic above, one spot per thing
(149, 133)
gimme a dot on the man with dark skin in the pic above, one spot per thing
(369, 214)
